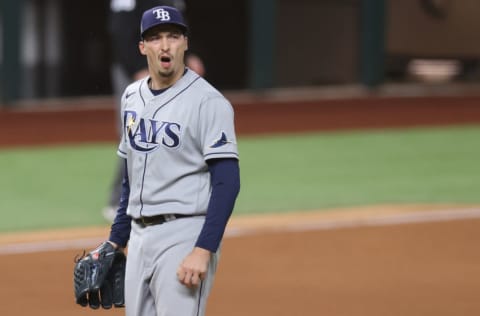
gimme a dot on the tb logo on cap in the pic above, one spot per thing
(162, 15)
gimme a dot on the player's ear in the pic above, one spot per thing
(141, 47)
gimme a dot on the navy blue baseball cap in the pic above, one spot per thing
(162, 15)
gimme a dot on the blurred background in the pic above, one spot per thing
(59, 48)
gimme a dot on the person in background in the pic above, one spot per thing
(129, 65)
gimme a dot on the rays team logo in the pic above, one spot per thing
(222, 141)
(146, 135)
(161, 14)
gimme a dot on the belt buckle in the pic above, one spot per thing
(169, 217)
(146, 223)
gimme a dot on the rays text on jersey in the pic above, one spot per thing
(145, 135)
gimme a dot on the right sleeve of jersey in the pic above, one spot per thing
(123, 146)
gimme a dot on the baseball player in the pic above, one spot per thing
(128, 66)
(181, 178)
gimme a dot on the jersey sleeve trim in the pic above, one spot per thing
(226, 154)
(121, 153)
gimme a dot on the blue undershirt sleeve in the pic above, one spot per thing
(120, 230)
(225, 181)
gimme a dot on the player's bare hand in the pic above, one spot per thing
(194, 267)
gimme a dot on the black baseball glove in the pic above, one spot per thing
(99, 278)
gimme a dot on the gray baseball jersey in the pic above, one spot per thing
(167, 140)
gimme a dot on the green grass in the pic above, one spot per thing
(54, 187)
(68, 185)
(347, 169)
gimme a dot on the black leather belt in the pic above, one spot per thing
(145, 221)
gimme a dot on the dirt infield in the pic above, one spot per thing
(371, 261)
(382, 261)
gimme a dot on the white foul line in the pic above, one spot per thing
(373, 220)
(323, 224)
(51, 245)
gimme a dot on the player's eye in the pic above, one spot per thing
(174, 35)
(151, 38)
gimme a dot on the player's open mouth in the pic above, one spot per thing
(165, 61)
